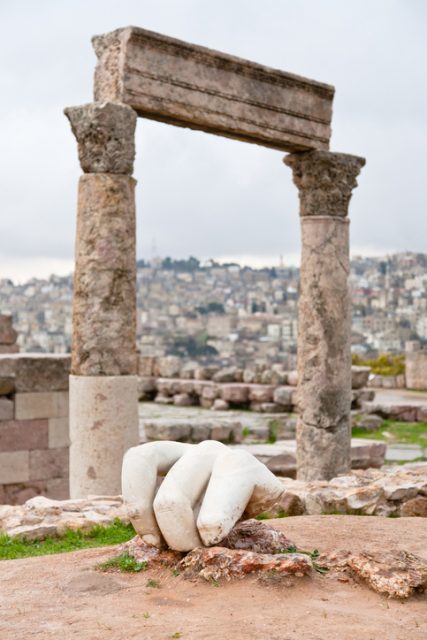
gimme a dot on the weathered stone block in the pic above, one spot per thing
(46, 464)
(36, 371)
(105, 132)
(359, 376)
(7, 386)
(8, 334)
(18, 493)
(33, 406)
(261, 393)
(235, 393)
(183, 400)
(283, 396)
(191, 86)
(59, 433)
(6, 409)
(14, 467)
(219, 405)
(17, 435)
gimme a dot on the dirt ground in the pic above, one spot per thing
(62, 597)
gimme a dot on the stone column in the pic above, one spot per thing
(325, 181)
(103, 382)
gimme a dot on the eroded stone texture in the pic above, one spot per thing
(216, 563)
(104, 311)
(325, 181)
(191, 86)
(105, 135)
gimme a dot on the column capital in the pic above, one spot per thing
(325, 181)
(105, 135)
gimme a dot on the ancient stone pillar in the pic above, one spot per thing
(325, 181)
(103, 382)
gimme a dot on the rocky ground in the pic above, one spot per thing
(391, 491)
(64, 596)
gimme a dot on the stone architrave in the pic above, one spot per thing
(325, 182)
(191, 86)
(103, 384)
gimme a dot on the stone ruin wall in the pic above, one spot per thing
(33, 426)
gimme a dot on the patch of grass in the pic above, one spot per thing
(153, 584)
(124, 562)
(246, 432)
(98, 536)
(176, 572)
(396, 432)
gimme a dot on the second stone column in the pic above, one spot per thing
(103, 382)
(325, 181)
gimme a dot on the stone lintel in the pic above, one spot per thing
(105, 134)
(191, 86)
(325, 181)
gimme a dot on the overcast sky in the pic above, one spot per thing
(197, 193)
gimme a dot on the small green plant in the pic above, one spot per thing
(385, 365)
(176, 572)
(246, 432)
(273, 429)
(153, 584)
(177, 634)
(263, 516)
(124, 562)
(146, 615)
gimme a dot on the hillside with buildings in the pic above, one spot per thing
(230, 314)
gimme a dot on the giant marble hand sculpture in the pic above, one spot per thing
(206, 489)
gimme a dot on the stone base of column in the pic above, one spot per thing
(103, 425)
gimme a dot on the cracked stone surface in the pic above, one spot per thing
(105, 134)
(104, 310)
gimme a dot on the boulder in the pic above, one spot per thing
(261, 393)
(235, 393)
(284, 397)
(227, 374)
(414, 507)
(183, 400)
(369, 422)
(146, 388)
(220, 405)
(359, 376)
(162, 399)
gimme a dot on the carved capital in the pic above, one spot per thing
(325, 181)
(105, 135)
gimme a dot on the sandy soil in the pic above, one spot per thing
(62, 597)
